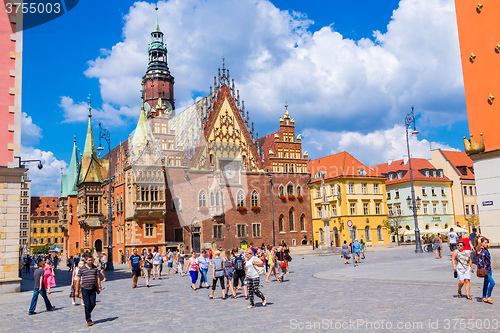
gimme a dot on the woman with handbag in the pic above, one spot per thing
(283, 266)
(484, 267)
(286, 251)
(253, 268)
(271, 259)
(462, 265)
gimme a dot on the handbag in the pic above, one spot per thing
(260, 269)
(455, 274)
(482, 272)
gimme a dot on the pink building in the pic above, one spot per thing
(11, 45)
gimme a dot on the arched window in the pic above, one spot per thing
(291, 219)
(212, 199)
(289, 189)
(367, 233)
(302, 223)
(202, 199)
(407, 227)
(299, 190)
(427, 227)
(321, 236)
(281, 190)
(281, 224)
(240, 198)
(379, 233)
(217, 198)
(255, 198)
(49, 213)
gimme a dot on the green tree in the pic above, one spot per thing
(41, 249)
(393, 224)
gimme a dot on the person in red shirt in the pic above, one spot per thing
(468, 244)
(210, 254)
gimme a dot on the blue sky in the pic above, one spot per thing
(349, 73)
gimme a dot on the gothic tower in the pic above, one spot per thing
(158, 83)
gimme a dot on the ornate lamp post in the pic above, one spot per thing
(272, 208)
(92, 247)
(104, 134)
(228, 226)
(410, 119)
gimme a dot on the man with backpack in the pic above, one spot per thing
(238, 263)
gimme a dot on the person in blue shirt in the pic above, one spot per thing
(356, 249)
(135, 262)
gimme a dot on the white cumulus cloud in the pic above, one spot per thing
(372, 148)
(47, 181)
(30, 132)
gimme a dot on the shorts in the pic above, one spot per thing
(453, 246)
(103, 267)
(464, 274)
(239, 275)
(356, 253)
(170, 264)
(136, 272)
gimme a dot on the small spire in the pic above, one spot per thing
(157, 26)
(74, 138)
(90, 107)
(223, 63)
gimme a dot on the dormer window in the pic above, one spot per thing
(434, 173)
(400, 174)
(362, 172)
(391, 176)
(441, 174)
(426, 173)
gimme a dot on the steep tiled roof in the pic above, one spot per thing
(267, 142)
(44, 206)
(418, 166)
(340, 165)
(462, 162)
(188, 125)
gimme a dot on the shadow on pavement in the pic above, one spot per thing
(99, 321)
(63, 277)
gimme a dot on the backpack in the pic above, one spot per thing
(238, 263)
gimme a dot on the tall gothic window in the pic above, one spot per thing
(240, 199)
(291, 219)
(255, 198)
(202, 199)
(289, 189)
(302, 223)
(281, 224)
(144, 193)
(281, 190)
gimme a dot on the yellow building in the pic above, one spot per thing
(459, 168)
(343, 189)
(45, 230)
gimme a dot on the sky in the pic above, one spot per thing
(349, 73)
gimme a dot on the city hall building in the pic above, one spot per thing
(195, 180)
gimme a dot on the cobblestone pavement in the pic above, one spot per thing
(393, 290)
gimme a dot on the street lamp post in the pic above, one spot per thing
(104, 134)
(272, 208)
(228, 226)
(92, 247)
(410, 119)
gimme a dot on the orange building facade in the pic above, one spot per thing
(479, 36)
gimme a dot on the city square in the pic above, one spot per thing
(227, 137)
(391, 287)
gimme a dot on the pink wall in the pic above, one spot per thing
(6, 82)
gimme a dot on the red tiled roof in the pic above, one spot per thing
(45, 205)
(340, 165)
(416, 165)
(462, 162)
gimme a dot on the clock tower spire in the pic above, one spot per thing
(158, 83)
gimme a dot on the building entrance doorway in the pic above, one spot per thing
(195, 242)
(98, 246)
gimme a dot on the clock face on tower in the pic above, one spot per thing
(230, 171)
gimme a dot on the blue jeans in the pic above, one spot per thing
(35, 299)
(88, 297)
(488, 280)
(203, 278)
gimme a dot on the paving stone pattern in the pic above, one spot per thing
(391, 287)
